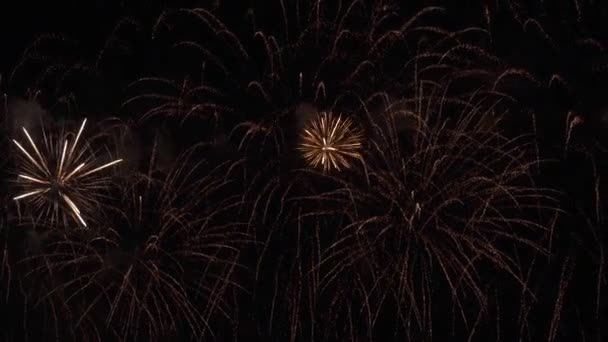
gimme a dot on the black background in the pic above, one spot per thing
(580, 176)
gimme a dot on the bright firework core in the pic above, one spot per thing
(60, 177)
(330, 142)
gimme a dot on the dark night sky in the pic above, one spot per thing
(557, 44)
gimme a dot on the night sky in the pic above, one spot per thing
(303, 170)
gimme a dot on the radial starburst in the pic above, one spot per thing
(330, 142)
(59, 179)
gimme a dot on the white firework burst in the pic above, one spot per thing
(59, 179)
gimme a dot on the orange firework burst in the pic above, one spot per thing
(330, 142)
(61, 179)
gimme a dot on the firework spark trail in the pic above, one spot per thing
(283, 250)
(565, 40)
(427, 218)
(157, 263)
(349, 43)
(330, 142)
(60, 178)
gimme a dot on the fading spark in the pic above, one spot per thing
(331, 142)
(45, 188)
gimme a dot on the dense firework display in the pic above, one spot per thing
(304, 170)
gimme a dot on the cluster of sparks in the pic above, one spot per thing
(330, 142)
(60, 181)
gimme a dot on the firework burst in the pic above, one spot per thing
(59, 179)
(155, 268)
(438, 201)
(330, 142)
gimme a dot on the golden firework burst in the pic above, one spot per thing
(60, 179)
(330, 142)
